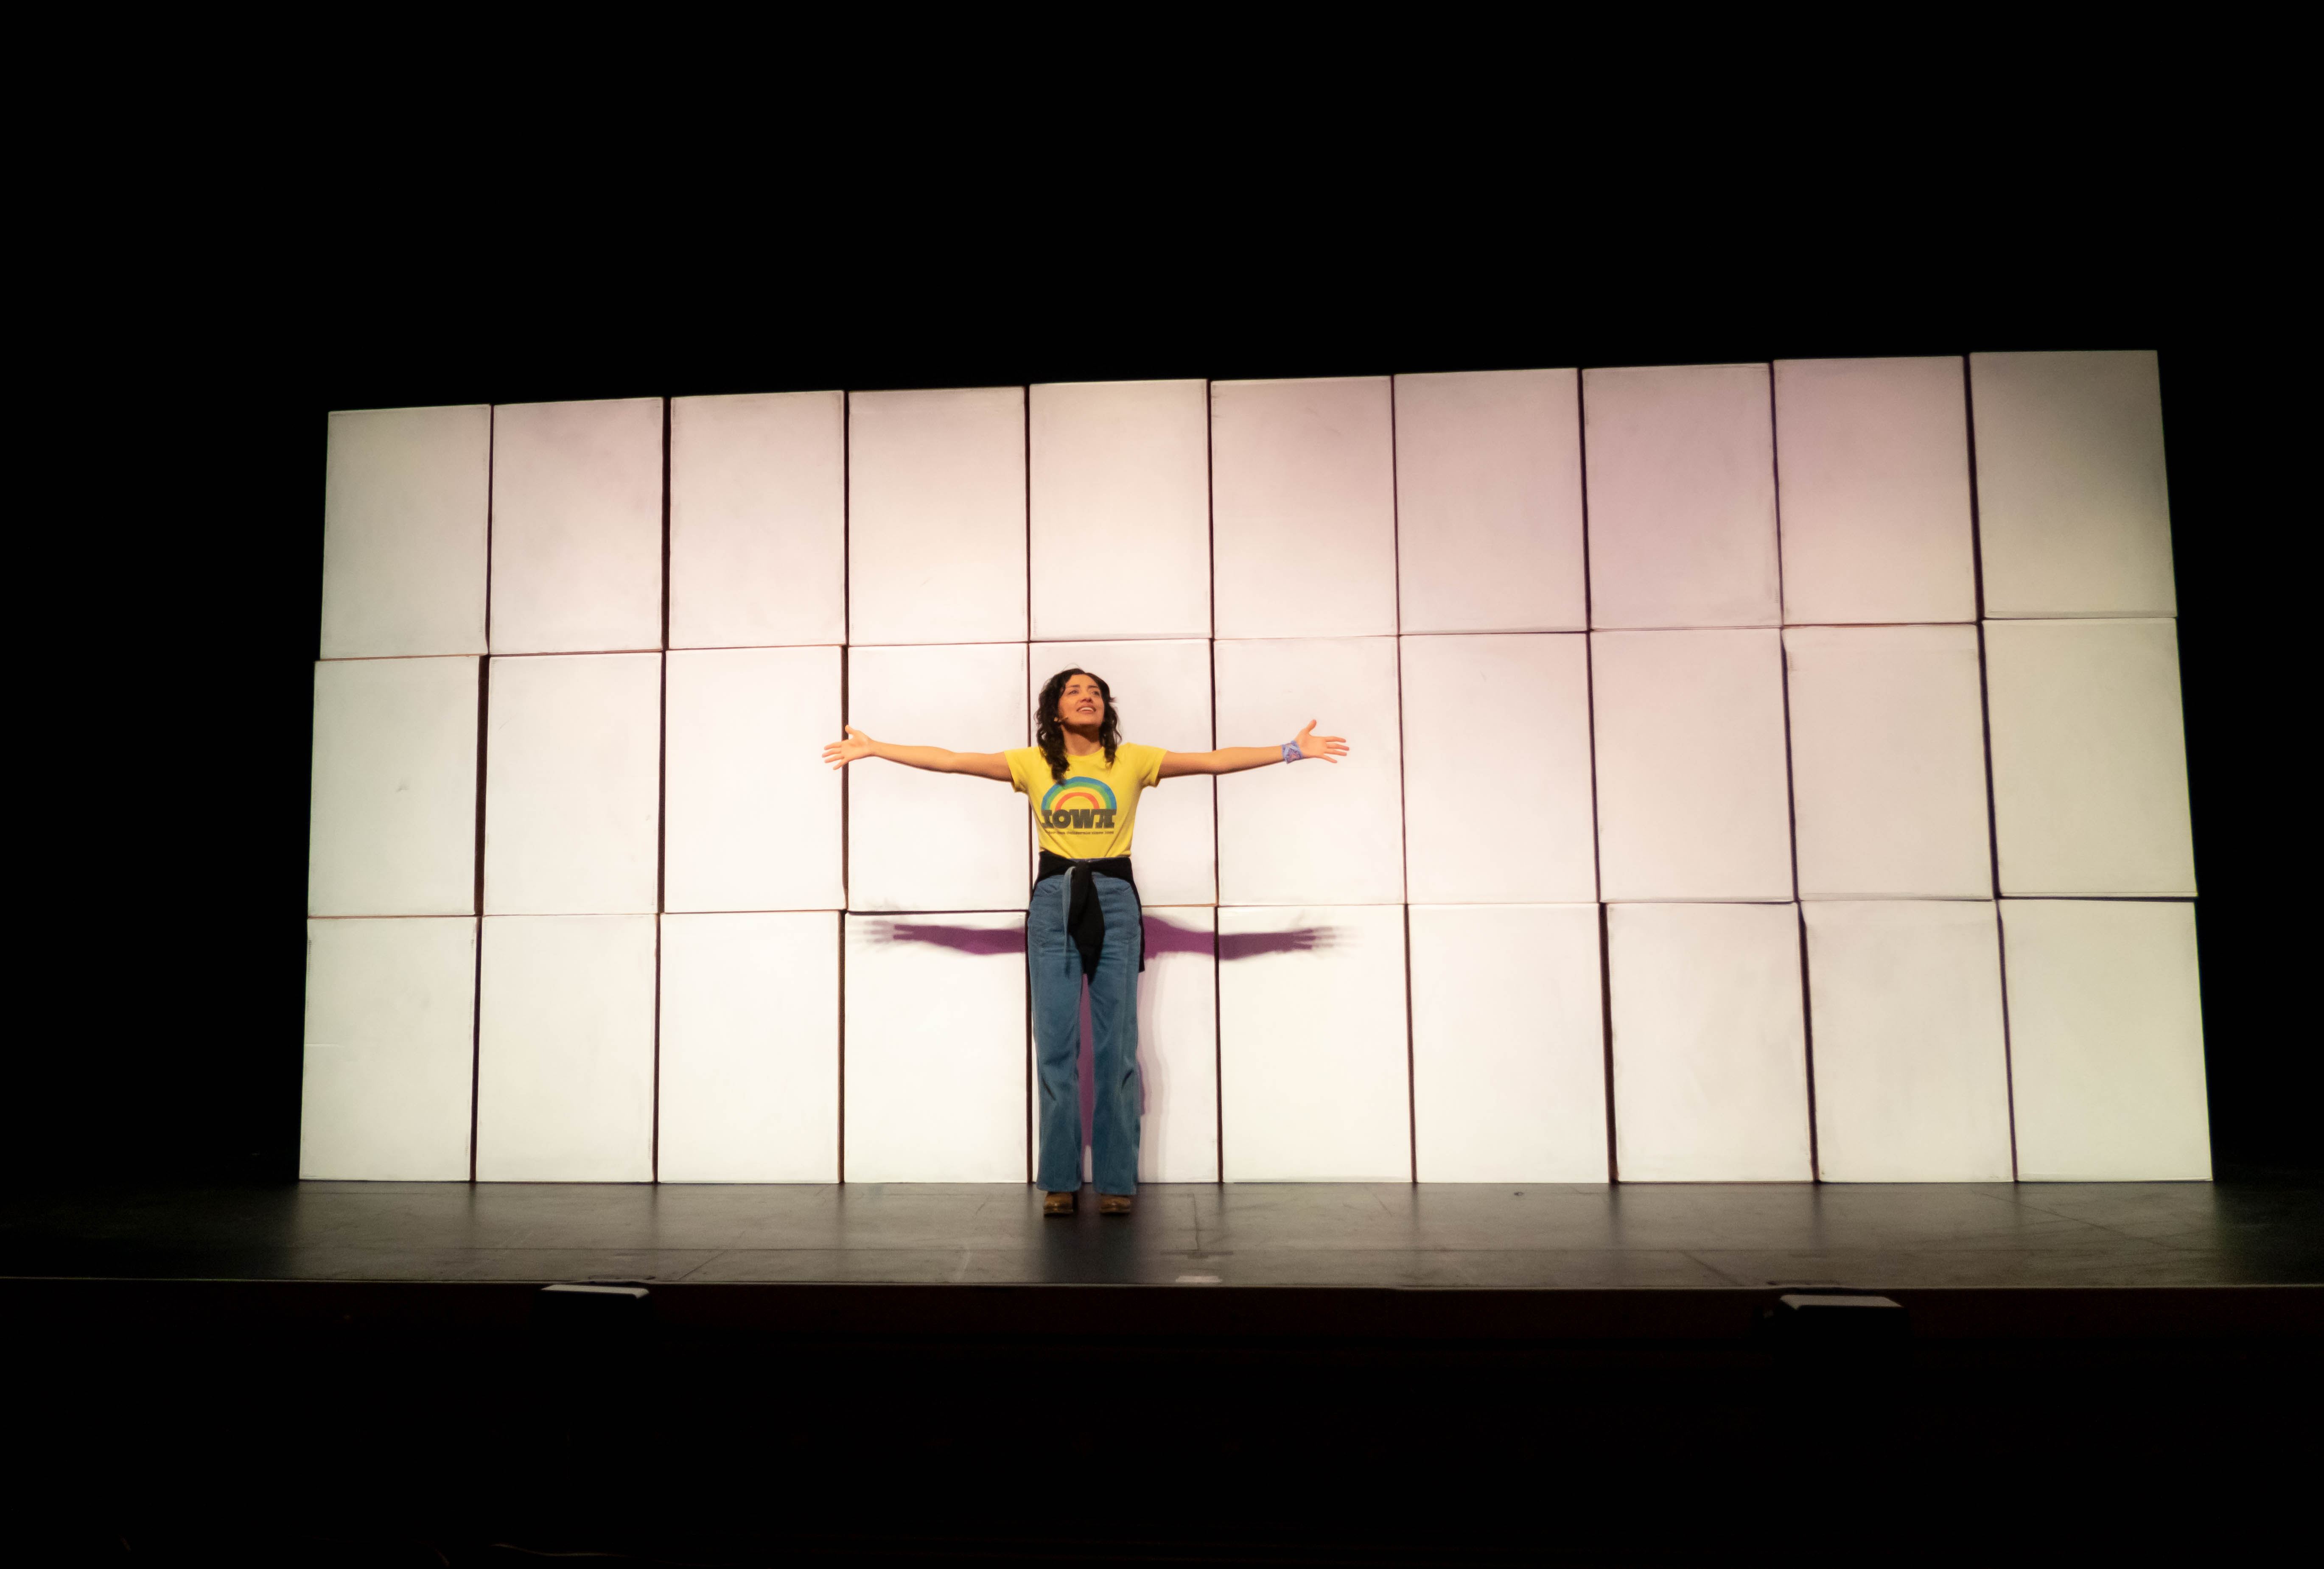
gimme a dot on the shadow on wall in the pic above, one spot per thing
(1162, 936)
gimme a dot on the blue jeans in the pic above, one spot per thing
(1056, 977)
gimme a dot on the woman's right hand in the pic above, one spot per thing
(840, 753)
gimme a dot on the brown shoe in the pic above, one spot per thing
(1113, 1204)
(1057, 1203)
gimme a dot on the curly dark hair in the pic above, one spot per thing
(1051, 735)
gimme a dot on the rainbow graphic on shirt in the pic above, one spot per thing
(1078, 803)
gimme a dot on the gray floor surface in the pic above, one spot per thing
(1288, 1234)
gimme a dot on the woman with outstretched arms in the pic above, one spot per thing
(1083, 924)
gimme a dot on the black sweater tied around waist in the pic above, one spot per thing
(1085, 920)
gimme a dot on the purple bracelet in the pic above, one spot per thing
(1291, 752)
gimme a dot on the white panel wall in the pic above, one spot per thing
(404, 512)
(758, 520)
(576, 526)
(1690, 765)
(1497, 804)
(572, 785)
(2074, 504)
(1315, 830)
(1682, 496)
(391, 1022)
(934, 840)
(2106, 1035)
(1315, 1075)
(393, 829)
(1710, 1054)
(1121, 509)
(1302, 506)
(1874, 460)
(1912, 1073)
(749, 1048)
(1177, 1047)
(1400, 559)
(1163, 689)
(935, 516)
(1509, 1044)
(937, 1050)
(565, 1049)
(2089, 760)
(752, 816)
(1489, 502)
(1888, 762)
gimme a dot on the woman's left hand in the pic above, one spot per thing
(1330, 748)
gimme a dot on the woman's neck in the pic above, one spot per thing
(1081, 743)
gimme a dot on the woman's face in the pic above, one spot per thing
(1081, 703)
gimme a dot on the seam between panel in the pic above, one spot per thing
(1985, 717)
(1791, 790)
(1597, 856)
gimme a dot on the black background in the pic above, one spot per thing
(159, 1017)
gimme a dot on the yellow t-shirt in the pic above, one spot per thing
(1087, 815)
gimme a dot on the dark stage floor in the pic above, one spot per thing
(1634, 1236)
(341, 1372)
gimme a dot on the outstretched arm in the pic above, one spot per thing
(935, 759)
(1236, 758)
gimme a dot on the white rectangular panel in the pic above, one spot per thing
(1496, 805)
(1682, 496)
(1315, 1075)
(393, 829)
(1162, 690)
(405, 501)
(1489, 502)
(2106, 1041)
(1872, 459)
(565, 1049)
(2089, 758)
(935, 516)
(1691, 793)
(1912, 1073)
(937, 1050)
(573, 785)
(1888, 762)
(391, 1028)
(753, 817)
(749, 1049)
(1710, 1078)
(1121, 509)
(2073, 502)
(1509, 1044)
(937, 841)
(1302, 506)
(576, 526)
(758, 520)
(1178, 1047)
(1316, 831)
